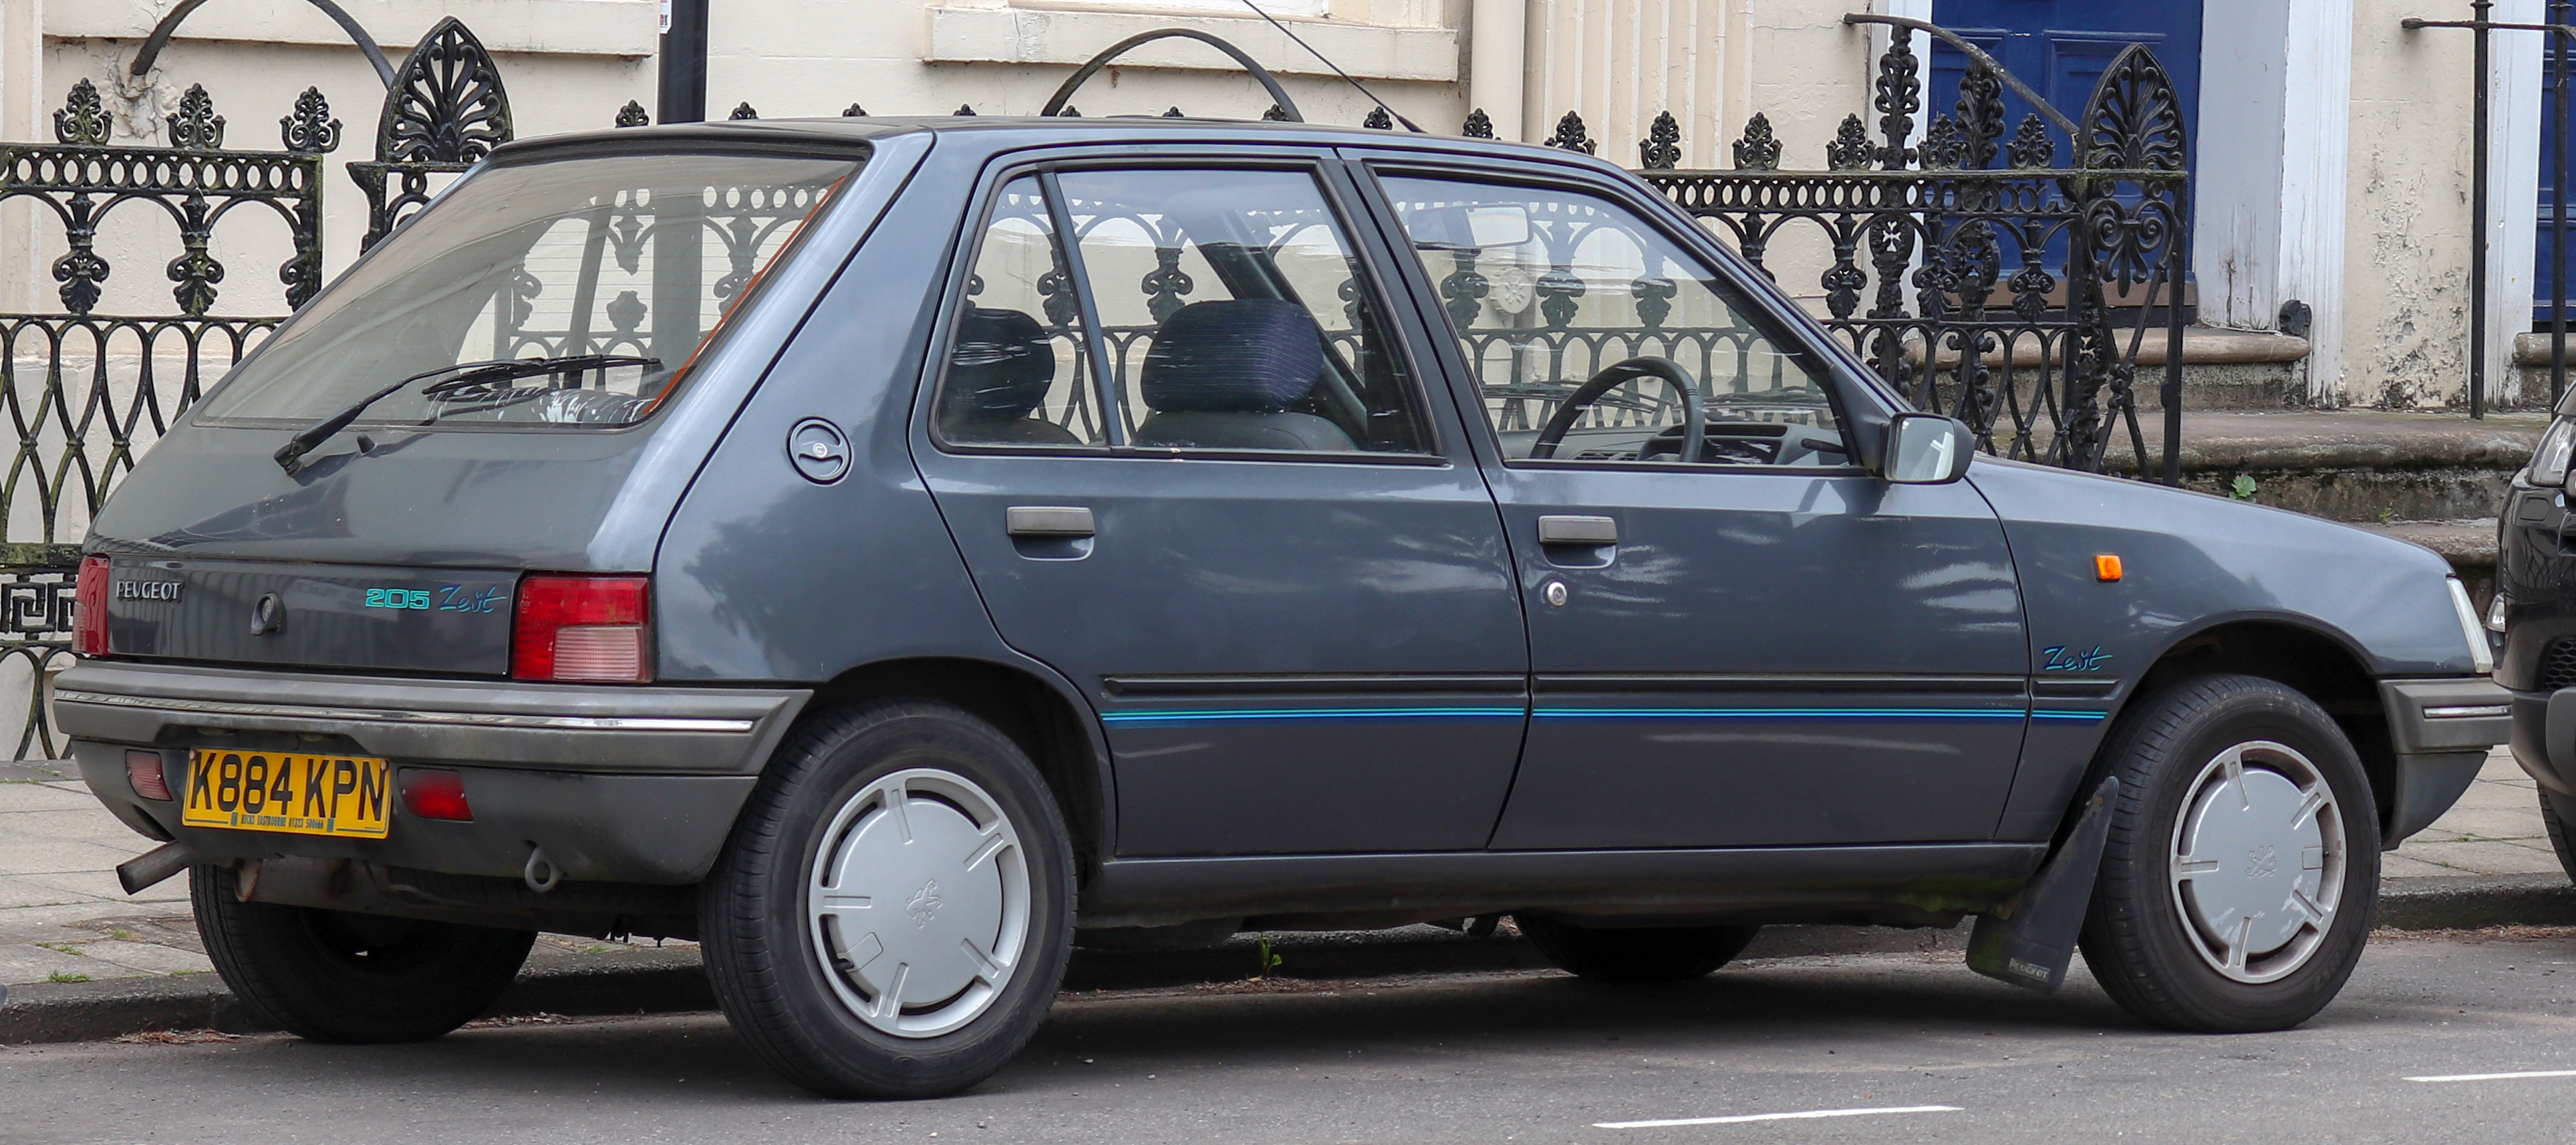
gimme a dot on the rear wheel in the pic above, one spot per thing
(334, 976)
(1635, 954)
(2243, 864)
(895, 908)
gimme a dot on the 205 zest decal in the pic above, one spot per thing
(2059, 658)
(449, 598)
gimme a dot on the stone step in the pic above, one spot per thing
(2354, 465)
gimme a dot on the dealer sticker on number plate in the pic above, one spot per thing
(282, 791)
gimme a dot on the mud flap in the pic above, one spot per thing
(2032, 939)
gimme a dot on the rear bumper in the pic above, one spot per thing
(615, 784)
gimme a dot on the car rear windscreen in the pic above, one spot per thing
(610, 273)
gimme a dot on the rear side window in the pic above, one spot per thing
(1232, 314)
(622, 267)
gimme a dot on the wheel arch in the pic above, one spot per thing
(2316, 662)
(1039, 713)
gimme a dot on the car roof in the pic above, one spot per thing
(1004, 132)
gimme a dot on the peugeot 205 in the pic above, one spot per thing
(895, 553)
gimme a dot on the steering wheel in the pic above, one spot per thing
(1694, 426)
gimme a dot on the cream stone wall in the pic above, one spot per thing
(2408, 197)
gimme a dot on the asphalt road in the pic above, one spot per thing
(1528, 1057)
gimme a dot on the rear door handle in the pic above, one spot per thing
(1568, 530)
(1048, 521)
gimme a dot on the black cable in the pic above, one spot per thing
(1409, 125)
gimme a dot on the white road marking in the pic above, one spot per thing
(1802, 1116)
(2498, 1076)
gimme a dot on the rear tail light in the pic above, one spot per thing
(143, 770)
(89, 609)
(432, 794)
(583, 628)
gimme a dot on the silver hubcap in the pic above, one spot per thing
(2257, 861)
(919, 901)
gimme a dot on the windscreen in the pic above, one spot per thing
(612, 270)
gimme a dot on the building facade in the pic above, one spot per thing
(2331, 153)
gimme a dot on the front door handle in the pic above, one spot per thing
(1569, 530)
(1048, 521)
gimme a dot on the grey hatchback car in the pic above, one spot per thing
(896, 553)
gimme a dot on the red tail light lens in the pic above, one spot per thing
(143, 770)
(89, 608)
(433, 794)
(583, 628)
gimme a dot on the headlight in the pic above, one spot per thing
(2480, 658)
(2495, 614)
(2549, 459)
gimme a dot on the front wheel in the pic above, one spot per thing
(893, 913)
(1635, 954)
(2243, 864)
(335, 976)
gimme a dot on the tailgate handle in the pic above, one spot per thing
(1048, 521)
(1561, 530)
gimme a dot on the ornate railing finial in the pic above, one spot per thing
(195, 126)
(310, 128)
(1850, 150)
(2134, 119)
(1899, 96)
(1570, 135)
(854, 111)
(1478, 126)
(964, 109)
(2030, 147)
(446, 104)
(1378, 120)
(1662, 148)
(633, 115)
(1981, 113)
(1276, 114)
(744, 110)
(1759, 150)
(1945, 147)
(83, 120)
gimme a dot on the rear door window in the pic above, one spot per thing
(1227, 310)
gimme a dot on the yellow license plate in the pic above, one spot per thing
(337, 795)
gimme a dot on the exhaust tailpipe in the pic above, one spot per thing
(153, 866)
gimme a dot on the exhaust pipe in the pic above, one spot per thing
(153, 866)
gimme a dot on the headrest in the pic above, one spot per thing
(1001, 367)
(1251, 355)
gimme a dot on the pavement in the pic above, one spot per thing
(106, 963)
(2438, 1038)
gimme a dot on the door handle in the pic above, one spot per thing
(1568, 530)
(1048, 521)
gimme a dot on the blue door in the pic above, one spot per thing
(2059, 48)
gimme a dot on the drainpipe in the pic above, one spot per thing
(683, 61)
(1496, 35)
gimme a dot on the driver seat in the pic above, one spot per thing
(1221, 375)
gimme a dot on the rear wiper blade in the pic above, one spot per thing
(463, 375)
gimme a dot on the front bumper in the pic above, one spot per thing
(615, 784)
(2441, 731)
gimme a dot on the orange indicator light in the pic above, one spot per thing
(2106, 567)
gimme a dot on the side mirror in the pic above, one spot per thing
(1927, 449)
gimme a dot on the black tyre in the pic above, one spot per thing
(2562, 836)
(892, 914)
(333, 976)
(2242, 871)
(1635, 954)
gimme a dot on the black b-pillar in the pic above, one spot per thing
(683, 97)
